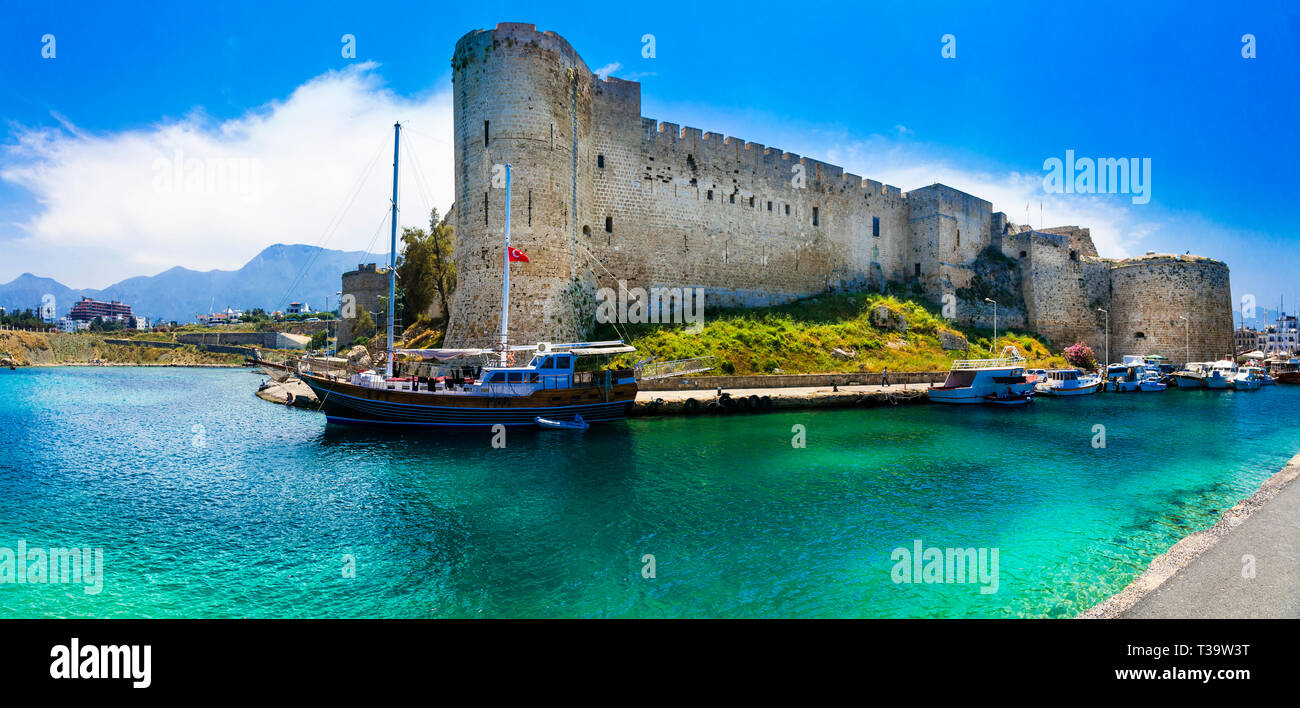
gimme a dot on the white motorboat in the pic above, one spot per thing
(1151, 383)
(1248, 378)
(1191, 376)
(974, 380)
(1126, 377)
(1068, 382)
(1220, 375)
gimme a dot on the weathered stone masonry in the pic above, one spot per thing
(602, 194)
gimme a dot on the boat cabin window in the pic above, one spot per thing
(563, 362)
(547, 363)
(515, 377)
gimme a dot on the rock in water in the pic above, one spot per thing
(291, 392)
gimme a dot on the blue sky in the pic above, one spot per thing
(864, 87)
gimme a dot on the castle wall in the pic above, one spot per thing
(523, 98)
(1149, 296)
(1062, 289)
(948, 230)
(365, 285)
(602, 194)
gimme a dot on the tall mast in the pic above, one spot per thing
(505, 281)
(392, 252)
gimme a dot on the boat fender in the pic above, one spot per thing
(753, 403)
(765, 403)
(691, 405)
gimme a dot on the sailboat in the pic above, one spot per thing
(548, 387)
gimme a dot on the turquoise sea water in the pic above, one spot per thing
(208, 502)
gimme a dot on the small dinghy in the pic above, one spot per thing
(1009, 399)
(576, 424)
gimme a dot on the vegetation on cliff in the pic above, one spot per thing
(803, 336)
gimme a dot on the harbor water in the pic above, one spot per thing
(208, 502)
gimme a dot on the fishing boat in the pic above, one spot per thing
(1009, 399)
(576, 424)
(1219, 376)
(1068, 382)
(973, 380)
(1191, 376)
(1287, 372)
(1247, 379)
(1124, 378)
(491, 390)
(1151, 383)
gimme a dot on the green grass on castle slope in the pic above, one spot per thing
(799, 337)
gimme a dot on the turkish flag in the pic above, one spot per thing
(517, 255)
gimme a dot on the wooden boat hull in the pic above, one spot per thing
(347, 404)
(1288, 377)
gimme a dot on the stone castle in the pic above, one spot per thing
(601, 194)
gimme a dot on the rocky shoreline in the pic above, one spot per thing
(1167, 565)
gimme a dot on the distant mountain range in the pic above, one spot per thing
(271, 280)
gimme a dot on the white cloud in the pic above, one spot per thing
(208, 194)
(1118, 229)
(604, 71)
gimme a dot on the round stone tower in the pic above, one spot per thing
(521, 97)
(1151, 295)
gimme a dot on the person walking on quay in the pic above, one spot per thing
(884, 377)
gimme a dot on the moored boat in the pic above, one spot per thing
(1219, 376)
(1286, 372)
(550, 386)
(1126, 377)
(972, 380)
(576, 424)
(1068, 382)
(1192, 375)
(1151, 383)
(1009, 399)
(1247, 379)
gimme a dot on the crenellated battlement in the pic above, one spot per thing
(756, 157)
(603, 194)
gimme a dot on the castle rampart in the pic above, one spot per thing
(602, 194)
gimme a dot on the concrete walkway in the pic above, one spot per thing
(789, 392)
(1202, 575)
(674, 402)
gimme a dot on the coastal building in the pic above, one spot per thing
(1247, 339)
(1281, 338)
(67, 324)
(224, 317)
(87, 309)
(602, 194)
(297, 308)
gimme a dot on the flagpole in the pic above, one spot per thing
(505, 281)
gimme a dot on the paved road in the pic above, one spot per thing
(1212, 586)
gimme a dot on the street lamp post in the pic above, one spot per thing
(1099, 309)
(334, 349)
(995, 322)
(1188, 353)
